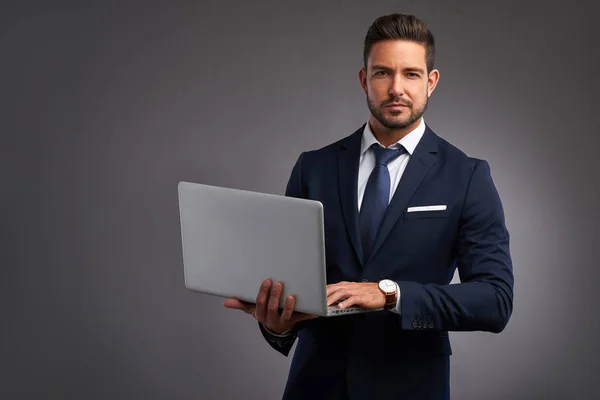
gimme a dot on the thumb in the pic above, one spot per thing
(233, 303)
(239, 305)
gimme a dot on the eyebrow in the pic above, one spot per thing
(414, 69)
(408, 69)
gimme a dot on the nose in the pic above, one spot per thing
(396, 89)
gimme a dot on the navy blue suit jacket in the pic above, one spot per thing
(383, 354)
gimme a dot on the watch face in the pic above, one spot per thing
(387, 286)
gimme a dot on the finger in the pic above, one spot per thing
(332, 288)
(335, 297)
(288, 309)
(355, 300)
(261, 301)
(274, 300)
(341, 294)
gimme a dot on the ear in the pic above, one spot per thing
(362, 78)
(432, 81)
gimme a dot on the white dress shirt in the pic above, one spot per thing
(396, 167)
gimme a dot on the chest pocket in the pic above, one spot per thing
(426, 212)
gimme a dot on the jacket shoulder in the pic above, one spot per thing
(330, 151)
(333, 147)
(455, 155)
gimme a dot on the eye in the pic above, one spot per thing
(413, 75)
(380, 73)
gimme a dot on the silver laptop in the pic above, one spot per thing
(234, 239)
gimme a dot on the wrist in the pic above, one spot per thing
(389, 289)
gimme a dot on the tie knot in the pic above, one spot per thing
(384, 156)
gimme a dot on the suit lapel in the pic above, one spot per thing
(418, 165)
(348, 163)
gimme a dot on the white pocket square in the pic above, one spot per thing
(426, 208)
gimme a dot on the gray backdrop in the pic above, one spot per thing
(105, 108)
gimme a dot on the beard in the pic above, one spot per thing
(396, 121)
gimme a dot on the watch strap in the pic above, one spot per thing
(391, 298)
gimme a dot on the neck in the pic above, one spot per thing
(387, 136)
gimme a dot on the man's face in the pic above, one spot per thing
(397, 84)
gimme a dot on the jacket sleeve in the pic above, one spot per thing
(281, 343)
(483, 301)
(284, 343)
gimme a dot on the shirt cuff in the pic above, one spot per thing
(397, 309)
(284, 334)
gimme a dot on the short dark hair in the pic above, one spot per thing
(403, 27)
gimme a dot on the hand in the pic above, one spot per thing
(364, 294)
(266, 309)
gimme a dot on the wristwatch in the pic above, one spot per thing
(390, 290)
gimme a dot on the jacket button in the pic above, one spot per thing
(415, 325)
(430, 325)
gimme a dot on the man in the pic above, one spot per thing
(405, 207)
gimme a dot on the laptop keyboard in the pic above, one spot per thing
(333, 310)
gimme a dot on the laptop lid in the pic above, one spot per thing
(233, 239)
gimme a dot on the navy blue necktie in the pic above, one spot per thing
(376, 197)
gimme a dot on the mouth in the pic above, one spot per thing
(396, 106)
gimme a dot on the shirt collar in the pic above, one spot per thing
(409, 141)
